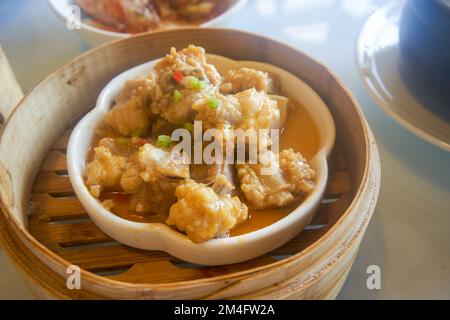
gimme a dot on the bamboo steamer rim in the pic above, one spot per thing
(370, 150)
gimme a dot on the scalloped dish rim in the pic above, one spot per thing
(159, 236)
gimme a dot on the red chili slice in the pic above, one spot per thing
(121, 197)
(178, 76)
(143, 141)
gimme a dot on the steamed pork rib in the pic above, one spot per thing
(191, 11)
(132, 16)
(136, 168)
(130, 116)
(246, 78)
(283, 106)
(131, 180)
(249, 109)
(155, 161)
(223, 185)
(104, 171)
(187, 90)
(151, 176)
(162, 127)
(135, 16)
(203, 214)
(260, 111)
(224, 179)
(289, 179)
(121, 146)
(297, 171)
(184, 77)
(264, 191)
(221, 177)
(220, 112)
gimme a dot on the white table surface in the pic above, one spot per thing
(408, 236)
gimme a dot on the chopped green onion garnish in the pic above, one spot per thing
(122, 141)
(199, 85)
(189, 126)
(136, 133)
(176, 96)
(193, 83)
(213, 103)
(164, 141)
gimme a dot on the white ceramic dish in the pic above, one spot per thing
(377, 56)
(96, 36)
(157, 236)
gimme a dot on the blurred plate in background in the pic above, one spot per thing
(96, 36)
(377, 55)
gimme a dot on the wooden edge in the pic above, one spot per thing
(10, 91)
(32, 269)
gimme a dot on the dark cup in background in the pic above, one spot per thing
(424, 39)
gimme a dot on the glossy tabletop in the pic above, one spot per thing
(408, 237)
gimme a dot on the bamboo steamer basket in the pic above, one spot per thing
(44, 229)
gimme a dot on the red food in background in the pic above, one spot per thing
(135, 16)
(131, 16)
